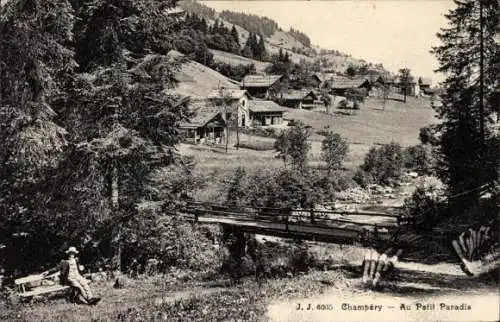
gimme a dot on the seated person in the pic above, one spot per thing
(70, 275)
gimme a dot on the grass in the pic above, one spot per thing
(372, 124)
(233, 59)
(149, 300)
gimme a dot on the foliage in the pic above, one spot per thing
(292, 145)
(334, 149)
(301, 37)
(197, 8)
(255, 47)
(237, 192)
(384, 164)
(253, 23)
(257, 145)
(267, 132)
(418, 158)
(350, 71)
(405, 80)
(196, 34)
(236, 72)
(326, 98)
(423, 207)
(427, 135)
(468, 140)
(363, 178)
(77, 178)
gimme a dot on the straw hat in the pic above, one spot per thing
(72, 250)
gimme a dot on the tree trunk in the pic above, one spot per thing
(227, 136)
(237, 130)
(404, 95)
(117, 243)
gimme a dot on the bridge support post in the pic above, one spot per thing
(234, 239)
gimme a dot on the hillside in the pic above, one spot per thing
(275, 39)
(196, 80)
(233, 59)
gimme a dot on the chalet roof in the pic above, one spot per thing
(260, 80)
(324, 76)
(426, 81)
(344, 82)
(296, 95)
(397, 80)
(202, 117)
(234, 94)
(261, 106)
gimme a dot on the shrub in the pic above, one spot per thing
(363, 178)
(427, 135)
(292, 144)
(422, 207)
(267, 132)
(333, 150)
(384, 164)
(257, 145)
(417, 158)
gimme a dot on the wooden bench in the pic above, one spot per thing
(38, 284)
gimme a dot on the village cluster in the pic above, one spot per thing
(263, 101)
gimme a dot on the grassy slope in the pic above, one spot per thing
(233, 59)
(370, 125)
(197, 80)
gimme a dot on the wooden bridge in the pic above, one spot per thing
(310, 224)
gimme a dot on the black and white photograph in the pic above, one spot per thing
(249, 160)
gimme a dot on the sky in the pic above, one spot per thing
(395, 33)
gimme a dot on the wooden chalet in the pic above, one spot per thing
(319, 80)
(339, 85)
(207, 126)
(425, 85)
(297, 98)
(265, 113)
(262, 86)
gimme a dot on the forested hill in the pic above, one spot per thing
(251, 28)
(250, 22)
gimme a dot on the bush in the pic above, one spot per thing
(362, 178)
(267, 132)
(427, 135)
(333, 150)
(292, 145)
(417, 158)
(384, 164)
(422, 207)
(257, 145)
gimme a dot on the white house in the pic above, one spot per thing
(233, 100)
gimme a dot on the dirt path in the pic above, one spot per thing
(418, 293)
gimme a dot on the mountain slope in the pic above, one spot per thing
(197, 80)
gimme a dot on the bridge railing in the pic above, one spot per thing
(293, 216)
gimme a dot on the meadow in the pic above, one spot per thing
(369, 126)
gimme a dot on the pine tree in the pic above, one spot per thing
(250, 46)
(262, 48)
(469, 141)
(405, 80)
(234, 34)
(35, 65)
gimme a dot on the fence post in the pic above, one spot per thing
(312, 216)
